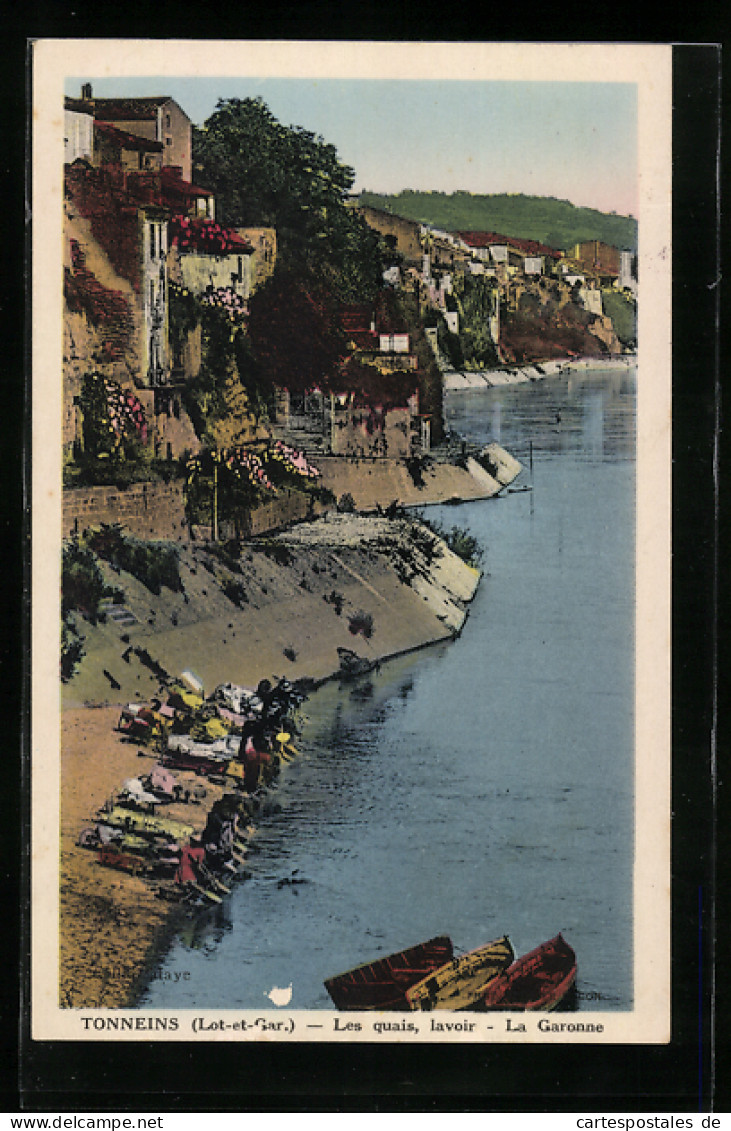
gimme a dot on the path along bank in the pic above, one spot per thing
(345, 584)
(461, 381)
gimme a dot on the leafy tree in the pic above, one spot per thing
(294, 332)
(263, 172)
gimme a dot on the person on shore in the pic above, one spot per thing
(219, 834)
(255, 758)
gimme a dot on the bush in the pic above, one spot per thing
(235, 592)
(362, 623)
(72, 649)
(465, 546)
(82, 581)
(346, 503)
(459, 541)
(155, 564)
(277, 552)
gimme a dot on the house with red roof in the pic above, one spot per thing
(158, 118)
(528, 257)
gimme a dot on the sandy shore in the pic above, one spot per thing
(110, 923)
(112, 926)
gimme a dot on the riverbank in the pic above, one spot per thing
(375, 484)
(372, 585)
(455, 381)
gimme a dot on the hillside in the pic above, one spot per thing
(557, 223)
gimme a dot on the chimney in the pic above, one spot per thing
(86, 92)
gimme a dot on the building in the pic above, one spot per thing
(628, 271)
(157, 118)
(210, 258)
(264, 244)
(371, 409)
(600, 258)
(113, 146)
(510, 255)
(401, 237)
(78, 130)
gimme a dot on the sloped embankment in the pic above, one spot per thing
(283, 607)
(372, 585)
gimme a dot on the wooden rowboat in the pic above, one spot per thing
(461, 982)
(539, 980)
(382, 984)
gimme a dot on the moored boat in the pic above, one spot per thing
(459, 983)
(382, 984)
(539, 980)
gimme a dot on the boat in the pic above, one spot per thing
(461, 982)
(539, 980)
(382, 984)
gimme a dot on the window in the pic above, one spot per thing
(168, 141)
(152, 241)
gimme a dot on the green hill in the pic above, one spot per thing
(557, 223)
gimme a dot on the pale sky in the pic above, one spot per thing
(572, 140)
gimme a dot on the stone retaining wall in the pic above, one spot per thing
(146, 510)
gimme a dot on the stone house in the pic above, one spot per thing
(401, 236)
(116, 299)
(158, 118)
(78, 130)
(600, 258)
(372, 408)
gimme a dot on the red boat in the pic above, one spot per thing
(539, 980)
(382, 984)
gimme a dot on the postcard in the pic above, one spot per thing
(351, 453)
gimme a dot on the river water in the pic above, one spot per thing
(476, 788)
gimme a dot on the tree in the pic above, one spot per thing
(294, 332)
(265, 173)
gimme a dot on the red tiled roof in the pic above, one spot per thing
(129, 109)
(490, 239)
(126, 140)
(174, 180)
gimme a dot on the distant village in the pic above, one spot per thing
(142, 240)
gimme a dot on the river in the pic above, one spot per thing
(480, 787)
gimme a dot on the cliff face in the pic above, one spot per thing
(546, 319)
(374, 586)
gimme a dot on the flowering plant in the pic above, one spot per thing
(292, 461)
(112, 416)
(226, 299)
(198, 234)
(241, 463)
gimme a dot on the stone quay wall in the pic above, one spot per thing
(146, 510)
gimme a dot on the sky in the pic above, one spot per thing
(573, 140)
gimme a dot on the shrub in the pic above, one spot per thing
(72, 649)
(155, 564)
(465, 546)
(459, 541)
(362, 623)
(277, 552)
(235, 592)
(82, 582)
(346, 503)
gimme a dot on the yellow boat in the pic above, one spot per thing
(460, 983)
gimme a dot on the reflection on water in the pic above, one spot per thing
(477, 788)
